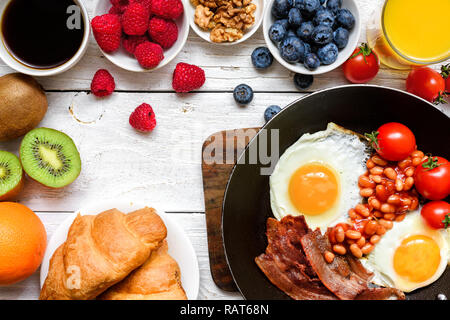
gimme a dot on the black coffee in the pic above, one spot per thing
(42, 34)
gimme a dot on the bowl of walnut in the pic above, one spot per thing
(225, 22)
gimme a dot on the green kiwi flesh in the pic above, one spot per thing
(50, 157)
(10, 173)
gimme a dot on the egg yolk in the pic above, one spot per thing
(313, 189)
(417, 258)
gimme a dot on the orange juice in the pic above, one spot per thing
(412, 32)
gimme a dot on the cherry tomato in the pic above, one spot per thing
(426, 83)
(437, 214)
(432, 178)
(393, 141)
(362, 66)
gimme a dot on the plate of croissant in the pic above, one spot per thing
(119, 251)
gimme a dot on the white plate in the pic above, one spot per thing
(180, 247)
(205, 35)
(344, 54)
(126, 61)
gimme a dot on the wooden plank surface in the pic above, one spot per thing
(164, 167)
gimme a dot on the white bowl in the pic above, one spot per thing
(20, 67)
(205, 35)
(124, 60)
(344, 54)
(180, 247)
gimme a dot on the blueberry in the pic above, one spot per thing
(322, 2)
(334, 5)
(262, 58)
(322, 35)
(270, 112)
(325, 17)
(340, 37)
(277, 32)
(309, 7)
(328, 53)
(298, 4)
(280, 9)
(307, 48)
(295, 18)
(312, 62)
(243, 94)
(292, 49)
(345, 19)
(303, 81)
(305, 30)
(284, 23)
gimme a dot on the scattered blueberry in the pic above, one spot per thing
(295, 18)
(322, 35)
(292, 49)
(312, 62)
(277, 32)
(334, 5)
(325, 17)
(284, 23)
(328, 53)
(303, 81)
(270, 112)
(340, 37)
(243, 94)
(309, 7)
(345, 19)
(262, 58)
(280, 9)
(305, 30)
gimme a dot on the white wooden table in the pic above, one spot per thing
(162, 168)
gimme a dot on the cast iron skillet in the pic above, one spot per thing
(361, 108)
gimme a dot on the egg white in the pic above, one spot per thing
(337, 148)
(380, 260)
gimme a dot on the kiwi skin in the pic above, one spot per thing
(23, 105)
(13, 193)
(70, 146)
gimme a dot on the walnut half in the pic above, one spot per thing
(223, 34)
(203, 17)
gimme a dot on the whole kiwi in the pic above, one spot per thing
(23, 104)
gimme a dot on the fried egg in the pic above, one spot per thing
(318, 177)
(409, 256)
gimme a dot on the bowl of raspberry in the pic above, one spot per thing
(140, 35)
(311, 36)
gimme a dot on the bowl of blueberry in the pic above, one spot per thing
(311, 36)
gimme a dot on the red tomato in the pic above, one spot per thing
(362, 66)
(436, 214)
(393, 141)
(432, 178)
(426, 83)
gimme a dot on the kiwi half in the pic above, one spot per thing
(50, 157)
(11, 175)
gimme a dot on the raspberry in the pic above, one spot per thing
(107, 31)
(163, 32)
(187, 77)
(103, 83)
(116, 10)
(143, 118)
(130, 43)
(135, 20)
(168, 9)
(118, 6)
(149, 54)
(146, 3)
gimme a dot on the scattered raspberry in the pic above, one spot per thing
(130, 43)
(103, 83)
(169, 9)
(163, 32)
(187, 77)
(135, 20)
(107, 31)
(143, 118)
(149, 54)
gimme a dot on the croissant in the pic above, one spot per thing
(100, 251)
(157, 279)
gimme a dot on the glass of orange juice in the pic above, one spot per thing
(406, 33)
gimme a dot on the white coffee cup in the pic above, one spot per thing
(12, 62)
